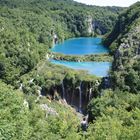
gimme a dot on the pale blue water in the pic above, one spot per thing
(96, 68)
(80, 46)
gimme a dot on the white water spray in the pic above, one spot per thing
(80, 97)
(63, 90)
(90, 93)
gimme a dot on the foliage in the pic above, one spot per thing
(96, 57)
(27, 28)
(116, 116)
(20, 122)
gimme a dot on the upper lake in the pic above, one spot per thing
(81, 46)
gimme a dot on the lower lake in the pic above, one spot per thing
(96, 68)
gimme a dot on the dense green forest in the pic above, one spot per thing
(27, 29)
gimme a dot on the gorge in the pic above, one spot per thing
(40, 100)
(82, 46)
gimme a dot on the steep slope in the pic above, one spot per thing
(22, 118)
(124, 41)
(115, 114)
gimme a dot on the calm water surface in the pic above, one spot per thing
(96, 68)
(80, 46)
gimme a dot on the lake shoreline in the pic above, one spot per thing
(83, 58)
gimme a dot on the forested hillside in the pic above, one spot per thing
(22, 118)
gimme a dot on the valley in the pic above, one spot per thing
(61, 60)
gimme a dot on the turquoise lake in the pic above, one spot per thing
(80, 46)
(99, 69)
(83, 46)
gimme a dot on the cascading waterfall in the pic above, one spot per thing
(80, 97)
(55, 38)
(39, 91)
(39, 94)
(31, 81)
(90, 93)
(63, 91)
(21, 87)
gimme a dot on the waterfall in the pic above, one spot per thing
(80, 97)
(90, 93)
(31, 81)
(39, 94)
(55, 38)
(47, 56)
(21, 87)
(26, 104)
(63, 91)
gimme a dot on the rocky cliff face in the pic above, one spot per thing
(98, 27)
(89, 23)
(95, 26)
(124, 43)
(128, 48)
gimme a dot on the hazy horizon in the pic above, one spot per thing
(121, 3)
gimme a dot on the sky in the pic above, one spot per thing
(122, 3)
